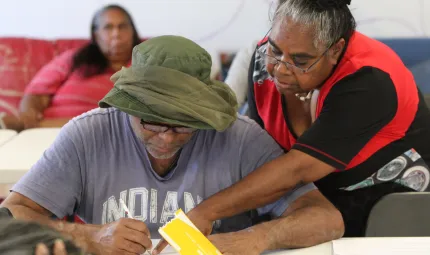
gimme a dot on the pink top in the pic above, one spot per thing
(71, 93)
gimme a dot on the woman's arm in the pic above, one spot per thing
(265, 185)
(48, 123)
(31, 109)
(10, 122)
(45, 84)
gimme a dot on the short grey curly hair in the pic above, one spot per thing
(329, 25)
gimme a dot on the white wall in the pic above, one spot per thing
(216, 24)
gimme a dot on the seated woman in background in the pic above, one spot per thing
(75, 81)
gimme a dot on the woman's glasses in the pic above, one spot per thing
(262, 52)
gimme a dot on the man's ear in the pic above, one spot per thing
(336, 51)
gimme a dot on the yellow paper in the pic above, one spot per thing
(185, 238)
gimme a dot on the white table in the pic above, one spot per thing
(382, 246)
(322, 249)
(19, 154)
(355, 246)
(6, 135)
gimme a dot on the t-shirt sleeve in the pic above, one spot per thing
(354, 111)
(51, 76)
(258, 149)
(56, 181)
(237, 76)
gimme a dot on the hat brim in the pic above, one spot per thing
(124, 102)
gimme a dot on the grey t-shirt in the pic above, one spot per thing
(97, 159)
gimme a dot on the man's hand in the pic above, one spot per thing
(125, 236)
(199, 220)
(239, 243)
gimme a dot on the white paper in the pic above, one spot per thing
(382, 246)
(167, 251)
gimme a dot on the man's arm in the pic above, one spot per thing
(24, 208)
(310, 220)
(126, 236)
(54, 187)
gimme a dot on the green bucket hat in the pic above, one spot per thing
(169, 82)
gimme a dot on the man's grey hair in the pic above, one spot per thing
(329, 25)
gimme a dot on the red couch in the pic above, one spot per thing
(20, 59)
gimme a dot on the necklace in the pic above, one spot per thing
(302, 97)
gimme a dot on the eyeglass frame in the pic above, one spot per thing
(157, 128)
(287, 64)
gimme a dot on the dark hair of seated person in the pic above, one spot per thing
(90, 58)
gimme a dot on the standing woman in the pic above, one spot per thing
(343, 106)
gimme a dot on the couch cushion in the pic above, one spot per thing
(427, 99)
(62, 45)
(412, 51)
(20, 59)
(421, 74)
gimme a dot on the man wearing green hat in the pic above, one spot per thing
(165, 137)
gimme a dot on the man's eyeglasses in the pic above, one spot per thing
(163, 128)
(292, 67)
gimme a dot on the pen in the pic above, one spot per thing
(127, 212)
